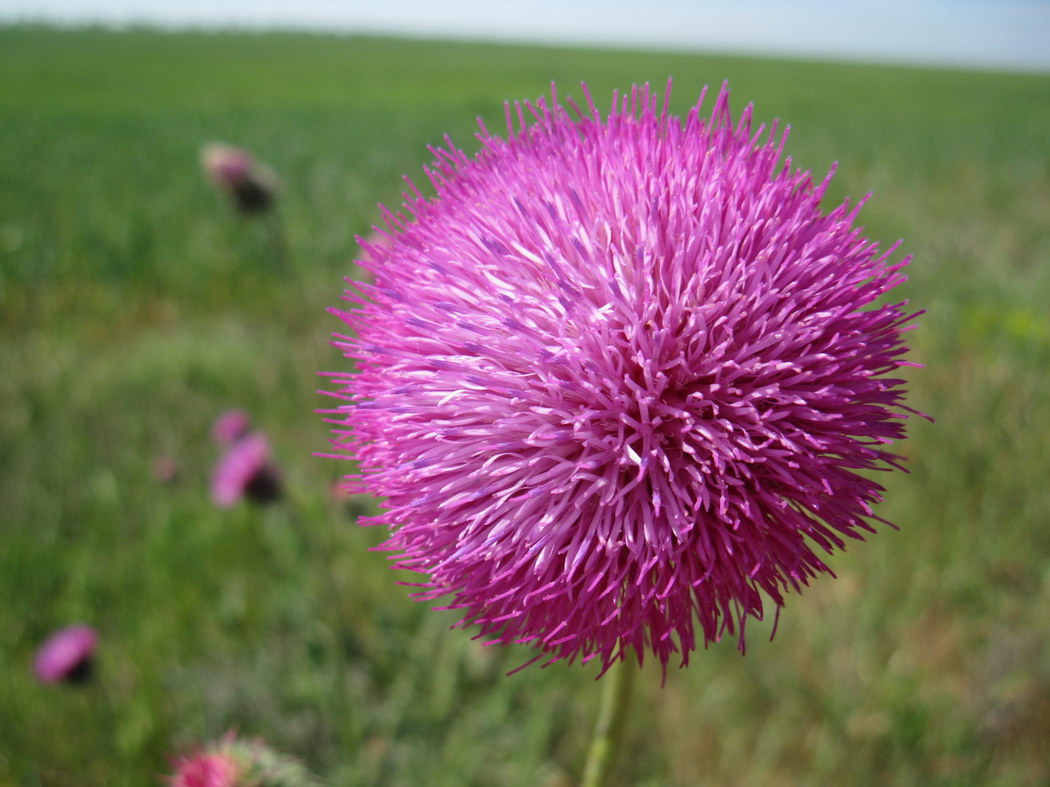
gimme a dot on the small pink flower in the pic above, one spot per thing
(371, 248)
(251, 186)
(240, 762)
(227, 166)
(66, 656)
(338, 491)
(245, 471)
(374, 244)
(230, 427)
(165, 469)
(206, 770)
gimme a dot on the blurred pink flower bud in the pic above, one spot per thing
(251, 186)
(165, 469)
(245, 470)
(237, 762)
(205, 770)
(67, 655)
(230, 427)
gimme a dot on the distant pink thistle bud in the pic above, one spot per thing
(251, 186)
(338, 492)
(230, 427)
(240, 762)
(246, 471)
(374, 240)
(206, 770)
(617, 378)
(165, 469)
(227, 166)
(67, 656)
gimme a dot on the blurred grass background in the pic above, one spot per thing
(135, 307)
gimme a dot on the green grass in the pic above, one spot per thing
(134, 307)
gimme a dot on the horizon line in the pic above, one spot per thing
(257, 27)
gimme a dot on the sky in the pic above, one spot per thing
(1010, 34)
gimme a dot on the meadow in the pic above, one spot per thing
(135, 306)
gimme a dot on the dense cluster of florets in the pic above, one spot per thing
(617, 379)
(239, 762)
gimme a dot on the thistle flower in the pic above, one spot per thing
(206, 770)
(246, 470)
(165, 469)
(230, 427)
(618, 377)
(67, 656)
(236, 762)
(251, 186)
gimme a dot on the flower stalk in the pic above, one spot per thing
(609, 728)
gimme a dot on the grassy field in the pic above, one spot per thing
(135, 307)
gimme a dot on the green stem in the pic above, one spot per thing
(326, 552)
(608, 731)
(278, 243)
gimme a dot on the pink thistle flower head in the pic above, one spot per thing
(206, 770)
(231, 426)
(165, 469)
(251, 186)
(226, 165)
(619, 379)
(67, 656)
(240, 762)
(246, 471)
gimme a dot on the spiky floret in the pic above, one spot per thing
(618, 378)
